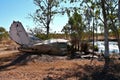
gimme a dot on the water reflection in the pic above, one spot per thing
(113, 47)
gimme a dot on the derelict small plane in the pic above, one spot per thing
(29, 43)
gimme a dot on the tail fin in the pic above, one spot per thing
(18, 33)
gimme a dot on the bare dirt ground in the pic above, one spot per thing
(15, 65)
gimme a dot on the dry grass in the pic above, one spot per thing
(23, 66)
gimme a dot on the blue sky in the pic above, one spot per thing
(18, 10)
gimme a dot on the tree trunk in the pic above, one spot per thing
(119, 45)
(47, 31)
(93, 35)
(119, 10)
(106, 53)
(48, 25)
(118, 40)
(119, 24)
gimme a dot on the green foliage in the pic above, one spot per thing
(41, 36)
(76, 25)
(3, 33)
(75, 28)
(66, 29)
(51, 35)
(2, 29)
(95, 48)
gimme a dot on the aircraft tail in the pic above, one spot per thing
(18, 33)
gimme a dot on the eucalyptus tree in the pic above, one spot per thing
(119, 23)
(77, 28)
(106, 54)
(101, 8)
(112, 16)
(45, 12)
(119, 10)
(88, 18)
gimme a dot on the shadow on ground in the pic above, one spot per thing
(80, 72)
(87, 72)
(19, 60)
